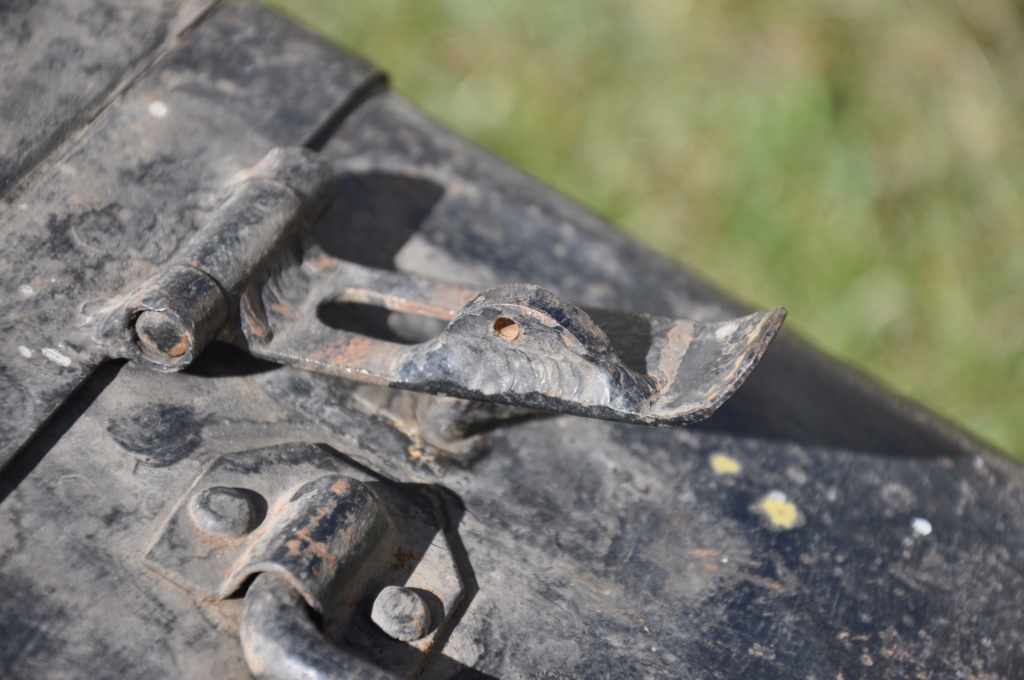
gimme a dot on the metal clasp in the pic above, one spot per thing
(312, 530)
(253, 277)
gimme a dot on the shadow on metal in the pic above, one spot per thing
(46, 437)
(799, 396)
(373, 215)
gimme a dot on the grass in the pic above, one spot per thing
(859, 161)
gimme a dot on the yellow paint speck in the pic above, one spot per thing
(722, 464)
(779, 511)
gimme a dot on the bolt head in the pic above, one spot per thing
(402, 613)
(224, 511)
(161, 335)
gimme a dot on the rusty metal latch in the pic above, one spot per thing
(367, 556)
(252, 276)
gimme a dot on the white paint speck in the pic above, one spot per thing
(158, 109)
(725, 560)
(25, 351)
(921, 526)
(979, 462)
(26, 290)
(55, 356)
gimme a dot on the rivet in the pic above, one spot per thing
(402, 613)
(225, 511)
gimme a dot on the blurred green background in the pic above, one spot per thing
(858, 161)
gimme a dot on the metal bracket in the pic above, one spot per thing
(340, 539)
(517, 345)
(253, 277)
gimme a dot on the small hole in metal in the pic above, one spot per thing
(506, 328)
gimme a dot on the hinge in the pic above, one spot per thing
(252, 276)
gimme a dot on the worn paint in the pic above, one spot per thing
(722, 464)
(56, 357)
(158, 109)
(25, 351)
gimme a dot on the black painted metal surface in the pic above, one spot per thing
(142, 178)
(813, 527)
(62, 62)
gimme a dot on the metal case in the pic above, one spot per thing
(243, 517)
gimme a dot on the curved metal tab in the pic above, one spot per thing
(515, 344)
(250, 276)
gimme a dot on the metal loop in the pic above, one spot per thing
(281, 642)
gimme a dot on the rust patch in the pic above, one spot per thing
(253, 320)
(507, 329)
(312, 546)
(217, 542)
(283, 310)
(404, 557)
(180, 348)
